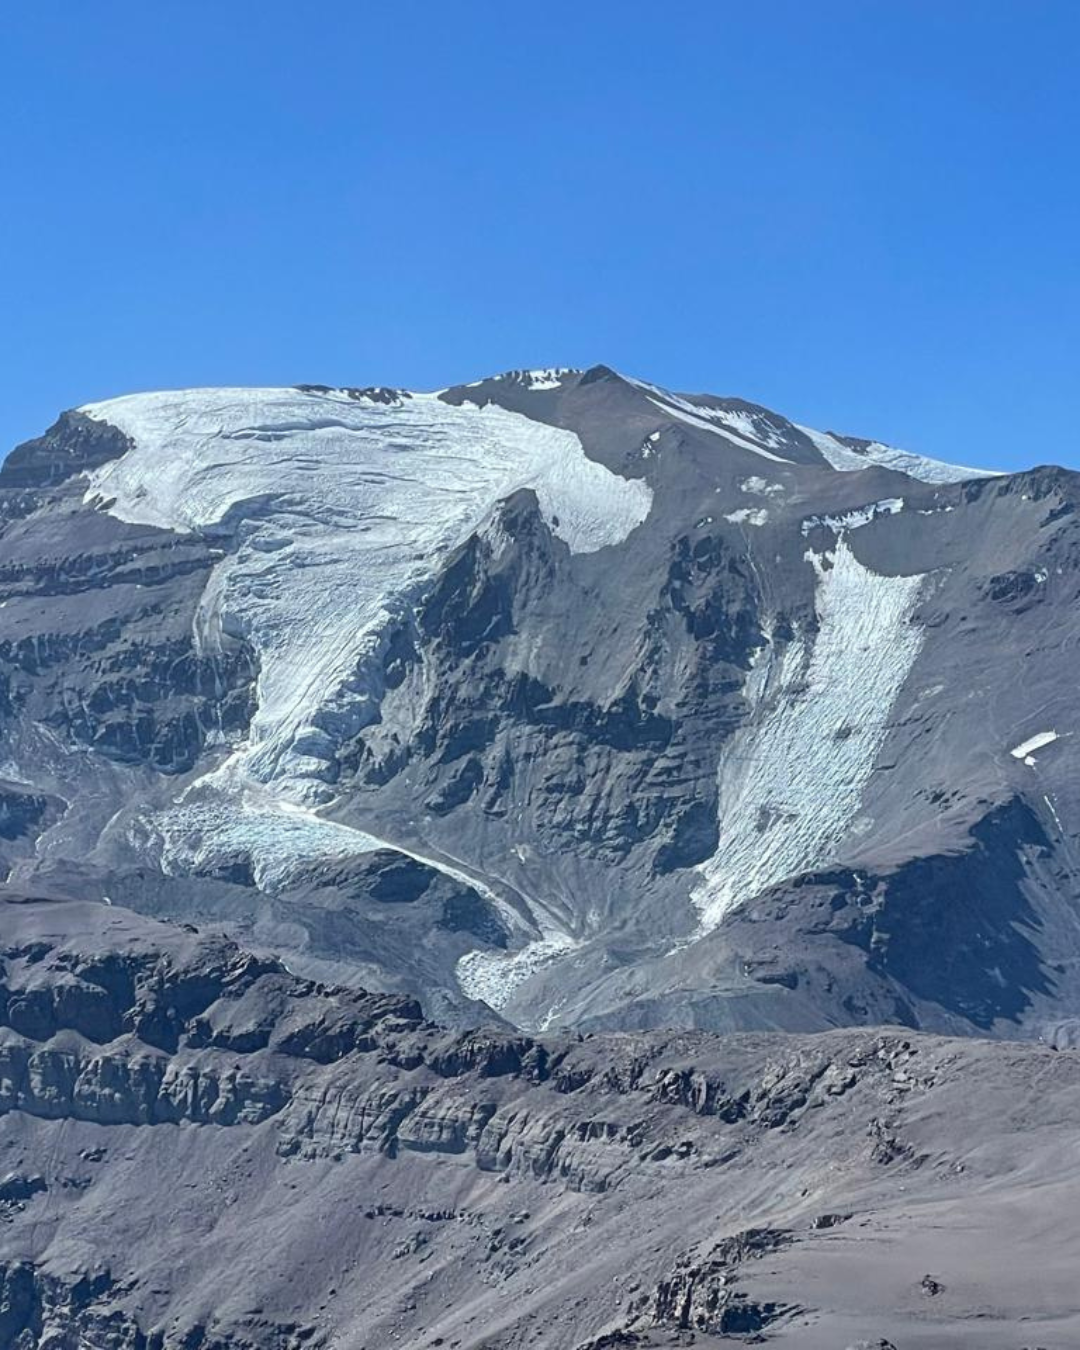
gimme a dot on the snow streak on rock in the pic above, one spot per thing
(852, 520)
(791, 780)
(705, 418)
(843, 458)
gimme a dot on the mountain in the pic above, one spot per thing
(557, 700)
(552, 862)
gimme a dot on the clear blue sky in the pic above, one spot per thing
(863, 213)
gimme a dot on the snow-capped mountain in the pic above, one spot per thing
(557, 697)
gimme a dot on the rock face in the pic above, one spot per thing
(557, 700)
(200, 1149)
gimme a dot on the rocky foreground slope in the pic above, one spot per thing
(558, 699)
(199, 1149)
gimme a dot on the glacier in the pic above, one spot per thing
(791, 780)
(340, 509)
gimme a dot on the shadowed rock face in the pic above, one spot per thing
(713, 727)
(73, 445)
(201, 1149)
(96, 646)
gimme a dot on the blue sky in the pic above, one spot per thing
(862, 213)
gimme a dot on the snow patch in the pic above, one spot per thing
(1026, 749)
(758, 487)
(791, 780)
(551, 377)
(749, 515)
(852, 520)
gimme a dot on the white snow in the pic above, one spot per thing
(753, 428)
(277, 838)
(215, 822)
(842, 457)
(1026, 749)
(551, 377)
(759, 487)
(791, 779)
(343, 510)
(1053, 812)
(852, 520)
(705, 419)
(494, 976)
(692, 415)
(754, 431)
